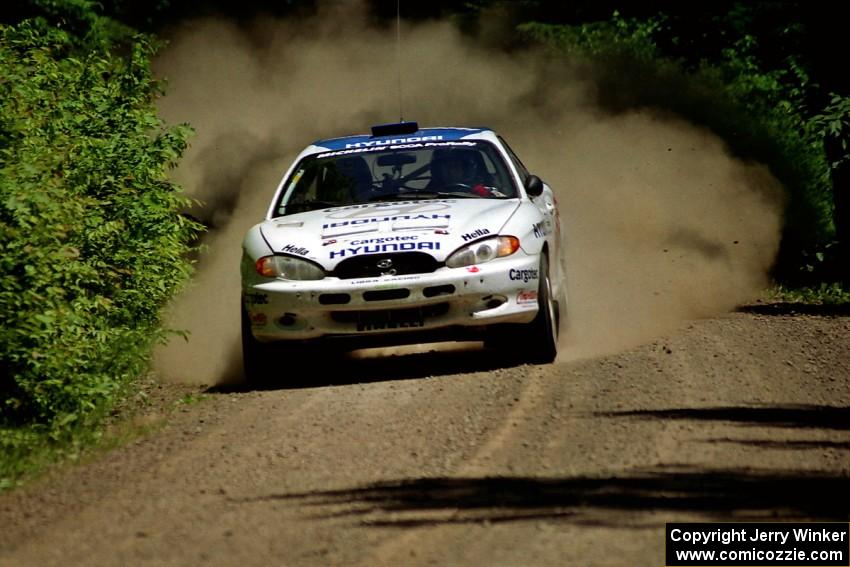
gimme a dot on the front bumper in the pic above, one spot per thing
(501, 291)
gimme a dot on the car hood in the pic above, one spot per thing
(437, 227)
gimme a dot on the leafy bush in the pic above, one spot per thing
(92, 244)
(760, 112)
(821, 294)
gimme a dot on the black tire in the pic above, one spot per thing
(287, 364)
(501, 339)
(255, 355)
(542, 334)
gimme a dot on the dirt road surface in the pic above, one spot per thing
(452, 459)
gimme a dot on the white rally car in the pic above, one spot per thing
(405, 236)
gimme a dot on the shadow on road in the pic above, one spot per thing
(792, 415)
(629, 499)
(740, 494)
(789, 444)
(798, 417)
(317, 369)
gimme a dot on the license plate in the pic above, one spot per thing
(389, 320)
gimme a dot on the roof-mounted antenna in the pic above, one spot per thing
(398, 54)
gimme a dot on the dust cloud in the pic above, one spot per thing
(661, 224)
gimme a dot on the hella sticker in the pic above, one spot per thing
(475, 234)
(293, 249)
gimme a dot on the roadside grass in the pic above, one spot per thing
(822, 294)
(29, 452)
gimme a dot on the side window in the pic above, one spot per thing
(301, 187)
(521, 169)
(307, 181)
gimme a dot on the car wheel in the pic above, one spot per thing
(255, 355)
(543, 337)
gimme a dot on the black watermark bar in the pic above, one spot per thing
(763, 544)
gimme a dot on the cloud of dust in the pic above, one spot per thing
(661, 223)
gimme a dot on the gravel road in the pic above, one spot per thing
(454, 458)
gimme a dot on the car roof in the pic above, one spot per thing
(420, 135)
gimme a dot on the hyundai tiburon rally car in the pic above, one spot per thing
(405, 236)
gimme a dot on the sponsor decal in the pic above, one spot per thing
(259, 320)
(526, 297)
(441, 231)
(475, 234)
(539, 229)
(390, 209)
(383, 219)
(523, 275)
(256, 299)
(394, 141)
(383, 239)
(293, 249)
(329, 242)
(388, 247)
(385, 325)
(382, 212)
(293, 224)
(394, 144)
(473, 269)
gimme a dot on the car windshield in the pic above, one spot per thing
(459, 169)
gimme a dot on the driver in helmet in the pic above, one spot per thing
(458, 170)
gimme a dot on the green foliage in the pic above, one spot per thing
(92, 244)
(834, 122)
(29, 450)
(191, 400)
(82, 21)
(605, 40)
(759, 110)
(821, 294)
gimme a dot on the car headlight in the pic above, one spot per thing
(483, 251)
(288, 268)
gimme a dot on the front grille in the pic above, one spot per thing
(386, 294)
(334, 298)
(391, 264)
(436, 290)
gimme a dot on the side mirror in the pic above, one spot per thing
(533, 186)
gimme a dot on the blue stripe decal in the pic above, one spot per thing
(432, 134)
